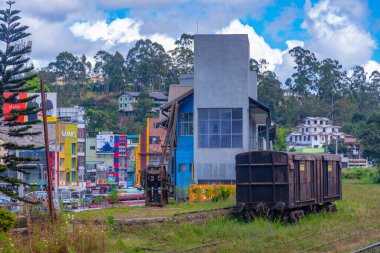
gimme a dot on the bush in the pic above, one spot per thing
(364, 174)
(7, 220)
(221, 193)
(374, 175)
(113, 196)
(355, 173)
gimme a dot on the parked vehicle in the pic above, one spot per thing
(286, 184)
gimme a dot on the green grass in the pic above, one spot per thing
(359, 210)
(142, 211)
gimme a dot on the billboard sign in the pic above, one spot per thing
(51, 106)
(105, 143)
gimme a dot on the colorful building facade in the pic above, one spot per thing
(67, 146)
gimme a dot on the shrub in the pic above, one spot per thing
(198, 194)
(225, 192)
(7, 220)
(355, 173)
(113, 196)
(374, 175)
(221, 193)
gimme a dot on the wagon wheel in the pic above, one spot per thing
(249, 215)
(285, 218)
(293, 217)
(301, 214)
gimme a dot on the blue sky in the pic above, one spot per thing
(347, 30)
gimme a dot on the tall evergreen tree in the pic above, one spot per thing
(14, 73)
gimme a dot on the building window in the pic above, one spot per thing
(186, 124)
(73, 176)
(220, 128)
(295, 138)
(73, 148)
(307, 129)
(73, 163)
(61, 176)
(61, 147)
(315, 129)
(308, 122)
(308, 138)
(315, 138)
(61, 162)
(321, 122)
(324, 129)
(304, 138)
(315, 122)
(156, 125)
(333, 130)
(182, 167)
(291, 138)
(92, 147)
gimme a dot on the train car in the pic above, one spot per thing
(286, 184)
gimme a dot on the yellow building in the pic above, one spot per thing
(67, 145)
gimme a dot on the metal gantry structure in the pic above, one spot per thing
(156, 178)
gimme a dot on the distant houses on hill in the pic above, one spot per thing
(314, 132)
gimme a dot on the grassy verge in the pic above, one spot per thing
(367, 175)
(357, 222)
(126, 212)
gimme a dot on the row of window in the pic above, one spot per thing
(73, 148)
(315, 129)
(315, 122)
(304, 138)
(126, 99)
(73, 163)
(67, 178)
(217, 128)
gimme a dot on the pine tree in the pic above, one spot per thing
(14, 73)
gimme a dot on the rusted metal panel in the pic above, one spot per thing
(271, 178)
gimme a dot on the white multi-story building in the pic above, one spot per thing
(314, 132)
(128, 99)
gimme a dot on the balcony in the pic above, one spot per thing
(257, 144)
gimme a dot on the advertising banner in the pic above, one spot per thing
(105, 143)
(51, 106)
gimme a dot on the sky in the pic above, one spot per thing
(346, 30)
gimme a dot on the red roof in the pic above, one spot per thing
(350, 140)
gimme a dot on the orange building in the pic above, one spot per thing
(150, 146)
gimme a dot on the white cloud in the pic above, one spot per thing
(259, 49)
(371, 66)
(286, 68)
(166, 41)
(335, 34)
(119, 31)
(123, 30)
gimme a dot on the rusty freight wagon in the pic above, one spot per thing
(286, 185)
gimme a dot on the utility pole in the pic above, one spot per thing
(46, 136)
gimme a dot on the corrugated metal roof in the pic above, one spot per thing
(176, 91)
(158, 95)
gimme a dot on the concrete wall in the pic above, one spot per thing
(221, 80)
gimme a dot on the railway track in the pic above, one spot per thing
(364, 224)
(369, 249)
